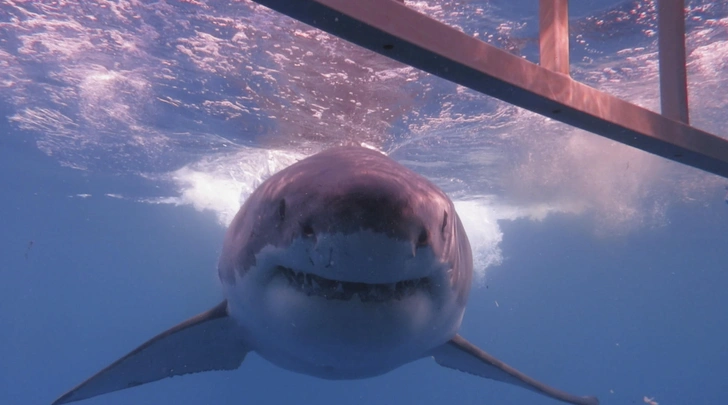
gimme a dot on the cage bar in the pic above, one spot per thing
(673, 72)
(553, 37)
(392, 29)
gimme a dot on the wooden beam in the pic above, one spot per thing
(553, 36)
(673, 72)
(392, 29)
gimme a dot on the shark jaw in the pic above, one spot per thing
(313, 285)
(347, 306)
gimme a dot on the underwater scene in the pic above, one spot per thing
(385, 210)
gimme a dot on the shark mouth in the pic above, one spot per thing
(313, 285)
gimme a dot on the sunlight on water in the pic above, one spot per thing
(239, 92)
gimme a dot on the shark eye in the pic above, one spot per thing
(444, 223)
(423, 238)
(308, 231)
(282, 209)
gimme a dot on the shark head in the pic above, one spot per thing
(346, 265)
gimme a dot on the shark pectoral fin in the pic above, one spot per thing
(462, 355)
(203, 343)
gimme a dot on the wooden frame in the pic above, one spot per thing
(392, 29)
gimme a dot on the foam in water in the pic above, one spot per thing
(222, 183)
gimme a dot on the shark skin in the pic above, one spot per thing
(344, 265)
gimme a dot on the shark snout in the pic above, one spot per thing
(371, 204)
(368, 256)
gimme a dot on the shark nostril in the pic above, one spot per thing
(423, 239)
(307, 231)
(282, 209)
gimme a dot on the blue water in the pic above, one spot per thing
(599, 273)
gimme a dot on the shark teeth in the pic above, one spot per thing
(313, 285)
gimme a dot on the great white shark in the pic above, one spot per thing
(344, 265)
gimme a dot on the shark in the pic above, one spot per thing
(344, 265)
